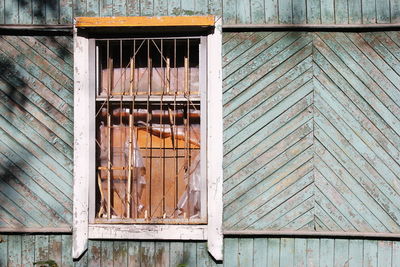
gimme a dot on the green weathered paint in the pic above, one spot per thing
(311, 138)
(233, 11)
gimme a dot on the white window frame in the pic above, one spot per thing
(84, 157)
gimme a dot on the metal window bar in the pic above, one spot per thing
(172, 138)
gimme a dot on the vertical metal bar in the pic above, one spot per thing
(168, 75)
(128, 198)
(162, 146)
(134, 88)
(174, 130)
(148, 121)
(109, 166)
(132, 81)
(186, 125)
(109, 88)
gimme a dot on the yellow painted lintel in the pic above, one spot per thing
(144, 21)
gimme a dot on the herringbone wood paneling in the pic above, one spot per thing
(36, 92)
(312, 137)
(268, 131)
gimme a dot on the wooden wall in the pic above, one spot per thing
(36, 128)
(311, 131)
(233, 11)
(17, 250)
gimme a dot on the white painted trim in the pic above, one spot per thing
(84, 159)
(215, 141)
(81, 145)
(146, 231)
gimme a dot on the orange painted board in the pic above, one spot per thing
(144, 21)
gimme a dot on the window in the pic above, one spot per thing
(147, 152)
(148, 130)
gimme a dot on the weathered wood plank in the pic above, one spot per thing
(66, 245)
(14, 250)
(327, 249)
(106, 8)
(341, 252)
(257, 11)
(287, 252)
(394, 11)
(25, 12)
(271, 11)
(299, 11)
(107, 253)
(356, 248)
(3, 250)
(94, 253)
(215, 7)
(176, 256)
(285, 12)
(244, 14)
(41, 247)
(368, 11)
(160, 7)
(200, 7)
(229, 11)
(53, 198)
(231, 252)
(52, 10)
(370, 253)
(245, 251)
(385, 253)
(11, 11)
(327, 12)
(66, 11)
(383, 11)
(355, 14)
(79, 8)
(174, 7)
(396, 253)
(162, 254)
(313, 252)
(273, 252)
(133, 253)
(314, 11)
(189, 253)
(120, 253)
(341, 17)
(93, 8)
(55, 248)
(28, 250)
(147, 8)
(260, 252)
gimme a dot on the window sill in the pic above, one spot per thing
(140, 231)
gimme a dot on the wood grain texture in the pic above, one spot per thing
(311, 137)
(36, 125)
(23, 250)
(233, 11)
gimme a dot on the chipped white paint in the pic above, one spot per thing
(214, 142)
(82, 145)
(84, 159)
(146, 231)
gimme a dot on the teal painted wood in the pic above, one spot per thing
(26, 249)
(355, 15)
(311, 138)
(299, 12)
(234, 11)
(285, 11)
(36, 125)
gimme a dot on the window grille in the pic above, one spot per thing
(148, 140)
